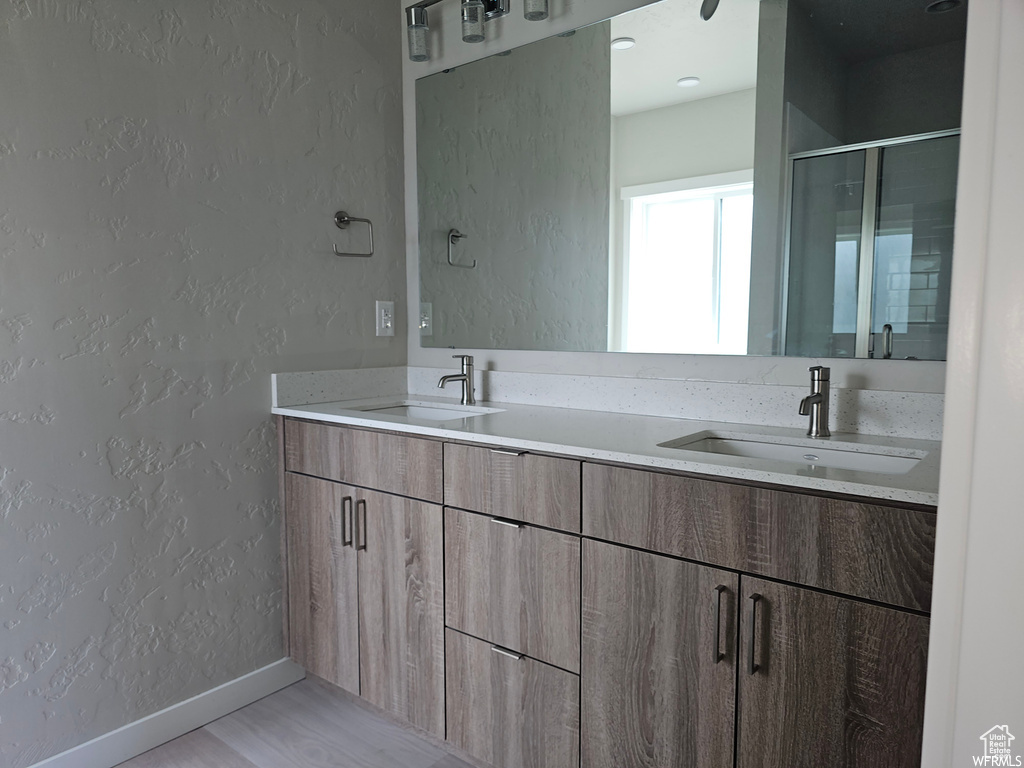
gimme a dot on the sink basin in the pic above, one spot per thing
(429, 411)
(808, 454)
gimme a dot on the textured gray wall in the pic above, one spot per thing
(514, 151)
(168, 173)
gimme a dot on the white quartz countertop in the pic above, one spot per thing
(635, 439)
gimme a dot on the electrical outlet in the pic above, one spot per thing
(385, 318)
(426, 318)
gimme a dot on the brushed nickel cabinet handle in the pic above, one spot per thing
(346, 513)
(506, 652)
(509, 523)
(719, 656)
(360, 546)
(509, 452)
(751, 656)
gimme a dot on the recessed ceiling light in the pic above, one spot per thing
(941, 6)
(623, 43)
(688, 82)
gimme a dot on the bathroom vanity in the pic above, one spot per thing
(549, 587)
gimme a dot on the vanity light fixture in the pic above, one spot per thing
(473, 21)
(474, 15)
(535, 10)
(688, 82)
(418, 29)
(623, 43)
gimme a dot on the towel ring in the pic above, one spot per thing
(453, 237)
(342, 221)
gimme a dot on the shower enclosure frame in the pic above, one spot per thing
(869, 221)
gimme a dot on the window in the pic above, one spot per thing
(684, 283)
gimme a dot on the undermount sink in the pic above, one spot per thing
(429, 411)
(808, 454)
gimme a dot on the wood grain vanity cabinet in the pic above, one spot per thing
(387, 462)
(365, 575)
(512, 605)
(870, 550)
(515, 585)
(659, 661)
(509, 710)
(517, 485)
(557, 613)
(401, 576)
(828, 681)
(817, 679)
(322, 580)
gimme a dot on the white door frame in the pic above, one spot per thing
(975, 677)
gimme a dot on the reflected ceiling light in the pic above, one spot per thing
(623, 43)
(708, 8)
(474, 14)
(688, 82)
(941, 6)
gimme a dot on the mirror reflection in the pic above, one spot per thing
(778, 180)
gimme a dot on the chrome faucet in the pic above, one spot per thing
(466, 377)
(815, 405)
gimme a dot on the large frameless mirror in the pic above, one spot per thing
(778, 180)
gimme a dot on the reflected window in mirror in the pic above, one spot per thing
(683, 284)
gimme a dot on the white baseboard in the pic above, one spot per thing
(143, 735)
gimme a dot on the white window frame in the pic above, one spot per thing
(618, 309)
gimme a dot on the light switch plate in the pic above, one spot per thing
(385, 318)
(426, 318)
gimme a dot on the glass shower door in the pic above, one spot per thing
(824, 255)
(871, 251)
(914, 248)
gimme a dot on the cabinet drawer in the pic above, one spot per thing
(515, 485)
(393, 463)
(514, 585)
(510, 712)
(868, 550)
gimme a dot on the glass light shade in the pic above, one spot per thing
(419, 47)
(418, 32)
(472, 21)
(535, 10)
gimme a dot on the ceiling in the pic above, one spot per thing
(857, 30)
(672, 41)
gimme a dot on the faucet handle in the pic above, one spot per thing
(819, 373)
(463, 358)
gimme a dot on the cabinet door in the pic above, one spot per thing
(401, 607)
(322, 571)
(834, 681)
(659, 661)
(508, 710)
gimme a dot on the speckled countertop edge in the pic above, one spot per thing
(633, 439)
